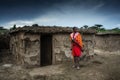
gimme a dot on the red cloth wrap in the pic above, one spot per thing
(76, 50)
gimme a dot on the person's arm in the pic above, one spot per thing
(79, 41)
(71, 42)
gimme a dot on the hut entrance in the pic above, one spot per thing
(46, 50)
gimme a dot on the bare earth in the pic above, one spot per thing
(104, 66)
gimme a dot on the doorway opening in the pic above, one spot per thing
(46, 50)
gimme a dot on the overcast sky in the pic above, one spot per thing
(60, 12)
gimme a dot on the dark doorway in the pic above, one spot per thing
(46, 50)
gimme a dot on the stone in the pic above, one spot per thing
(7, 65)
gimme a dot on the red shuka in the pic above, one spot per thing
(76, 47)
(76, 50)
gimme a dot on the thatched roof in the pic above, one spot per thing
(50, 29)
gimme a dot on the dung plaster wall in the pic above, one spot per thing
(110, 42)
(32, 49)
(16, 46)
(89, 43)
(26, 48)
(61, 48)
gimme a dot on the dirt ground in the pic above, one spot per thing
(104, 66)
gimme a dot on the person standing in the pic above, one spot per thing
(76, 46)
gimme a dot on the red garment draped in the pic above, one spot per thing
(77, 45)
(76, 50)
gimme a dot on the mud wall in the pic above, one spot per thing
(89, 43)
(25, 48)
(108, 42)
(62, 46)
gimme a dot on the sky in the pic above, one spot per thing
(60, 13)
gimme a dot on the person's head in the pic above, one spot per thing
(75, 29)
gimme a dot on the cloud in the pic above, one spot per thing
(18, 23)
(98, 6)
(78, 18)
(117, 25)
(44, 19)
(39, 20)
(66, 13)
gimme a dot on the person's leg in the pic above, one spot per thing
(74, 62)
(77, 63)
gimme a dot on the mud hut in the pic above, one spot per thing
(45, 45)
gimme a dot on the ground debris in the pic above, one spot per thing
(98, 68)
